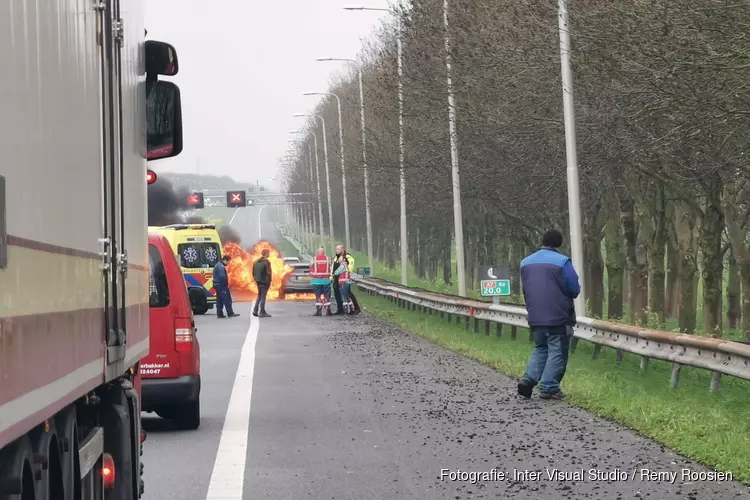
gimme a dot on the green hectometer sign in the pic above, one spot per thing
(492, 288)
(364, 271)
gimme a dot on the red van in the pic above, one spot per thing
(171, 381)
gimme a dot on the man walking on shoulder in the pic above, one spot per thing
(221, 285)
(262, 277)
(550, 283)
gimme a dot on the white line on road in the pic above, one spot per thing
(228, 476)
(233, 216)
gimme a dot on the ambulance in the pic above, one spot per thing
(197, 248)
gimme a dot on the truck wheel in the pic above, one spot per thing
(198, 301)
(189, 416)
(16, 471)
(68, 437)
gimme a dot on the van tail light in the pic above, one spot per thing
(183, 335)
(108, 471)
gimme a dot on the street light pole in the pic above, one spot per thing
(343, 169)
(457, 215)
(364, 158)
(574, 196)
(317, 180)
(401, 173)
(328, 178)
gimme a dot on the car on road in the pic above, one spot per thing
(298, 281)
(171, 380)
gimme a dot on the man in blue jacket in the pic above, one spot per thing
(550, 283)
(221, 285)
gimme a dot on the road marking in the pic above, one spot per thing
(228, 476)
(233, 216)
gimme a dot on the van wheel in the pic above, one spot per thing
(198, 301)
(189, 415)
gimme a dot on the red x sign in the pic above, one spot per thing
(193, 199)
(235, 196)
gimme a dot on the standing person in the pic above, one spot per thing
(341, 251)
(550, 283)
(221, 285)
(344, 279)
(320, 274)
(262, 276)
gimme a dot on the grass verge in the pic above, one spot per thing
(713, 429)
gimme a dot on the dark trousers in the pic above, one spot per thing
(223, 300)
(337, 296)
(261, 300)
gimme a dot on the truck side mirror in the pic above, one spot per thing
(161, 59)
(163, 120)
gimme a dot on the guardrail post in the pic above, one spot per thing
(620, 356)
(644, 364)
(486, 327)
(597, 351)
(513, 332)
(467, 322)
(531, 335)
(573, 344)
(476, 325)
(499, 330)
(675, 378)
(715, 381)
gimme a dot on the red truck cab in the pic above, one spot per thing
(170, 373)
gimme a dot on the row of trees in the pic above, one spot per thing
(662, 105)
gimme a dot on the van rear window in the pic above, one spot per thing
(199, 255)
(158, 289)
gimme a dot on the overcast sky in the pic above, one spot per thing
(243, 67)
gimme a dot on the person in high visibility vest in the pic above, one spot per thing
(320, 276)
(344, 277)
(341, 252)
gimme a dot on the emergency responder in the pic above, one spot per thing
(221, 285)
(320, 276)
(341, 252)
(344, 279)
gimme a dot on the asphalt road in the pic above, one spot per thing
(351, 408)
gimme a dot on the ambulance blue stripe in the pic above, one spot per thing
(190, 279)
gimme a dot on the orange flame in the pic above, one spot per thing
(240, 268)
(299, 296)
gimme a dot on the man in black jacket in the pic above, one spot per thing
(340, 250)
(262, 277)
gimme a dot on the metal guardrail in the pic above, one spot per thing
(719, 356)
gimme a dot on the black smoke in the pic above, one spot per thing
(167, 204)
(229, 235)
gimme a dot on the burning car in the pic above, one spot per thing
(298, 281)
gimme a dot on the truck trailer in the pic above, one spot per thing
(82, 110)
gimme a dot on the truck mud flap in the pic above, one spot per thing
(91, 450)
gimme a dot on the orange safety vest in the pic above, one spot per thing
(345, 276)
(320, 267)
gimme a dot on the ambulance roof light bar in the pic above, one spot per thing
(191, 226)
